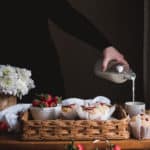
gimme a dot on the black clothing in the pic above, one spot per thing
(71, 21)
(24, 42)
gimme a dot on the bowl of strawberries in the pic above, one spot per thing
(44, 107)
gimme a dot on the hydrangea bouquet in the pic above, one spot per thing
(15, 81)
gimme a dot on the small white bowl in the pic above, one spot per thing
(46, 113)
(57, 111)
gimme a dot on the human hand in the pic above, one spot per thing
(111, 53)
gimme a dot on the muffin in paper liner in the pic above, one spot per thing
(96, 111)
(69, 111)
(72, 108)
(68, 108)
(140, 126)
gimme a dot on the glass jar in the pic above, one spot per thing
(115, 72)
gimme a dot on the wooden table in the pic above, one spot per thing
(13, 143)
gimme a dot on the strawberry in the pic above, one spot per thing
(46, 100)
(49, 103)
(3, 126)
(36, 103)
(55, 99)
(52, 104)
(44, 104)
(46, 97)
(49, 97)
(80, 147)
(116, 147)
(49, 100)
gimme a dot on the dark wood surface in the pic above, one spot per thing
(14, 143)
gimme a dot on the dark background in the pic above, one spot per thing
(122, 23)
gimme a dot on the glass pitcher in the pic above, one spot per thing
(116, 72)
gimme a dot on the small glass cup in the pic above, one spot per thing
(134, 108)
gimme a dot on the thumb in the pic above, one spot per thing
(105, 63)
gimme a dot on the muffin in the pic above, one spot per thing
(140, 126)
(97, 111)
(69, 111)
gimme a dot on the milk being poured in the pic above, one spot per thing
(133, 89)
(117, 73)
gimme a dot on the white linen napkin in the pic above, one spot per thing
(10, 115)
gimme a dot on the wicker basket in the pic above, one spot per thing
(75, 129)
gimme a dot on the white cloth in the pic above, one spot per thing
(10, 115)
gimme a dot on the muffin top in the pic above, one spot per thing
(143, 118)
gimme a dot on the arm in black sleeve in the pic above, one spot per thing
(71, 21)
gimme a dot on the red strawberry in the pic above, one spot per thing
(3, 126)
(46, 100)
(80, 147)
(45, 97)
(55, 99)
(36, 103)
(44, 104)
(41, 97)
(49, 103)
(49, 100)
(52, 104)
(49, 97)
(116, 147)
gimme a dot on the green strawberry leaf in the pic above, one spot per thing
(59, 98)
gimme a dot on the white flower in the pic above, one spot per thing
(7, 83)
(22, 87)
(23, 74)
(7, 71)
(15, 81)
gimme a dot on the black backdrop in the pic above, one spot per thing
(23, 32)
(122, 23)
